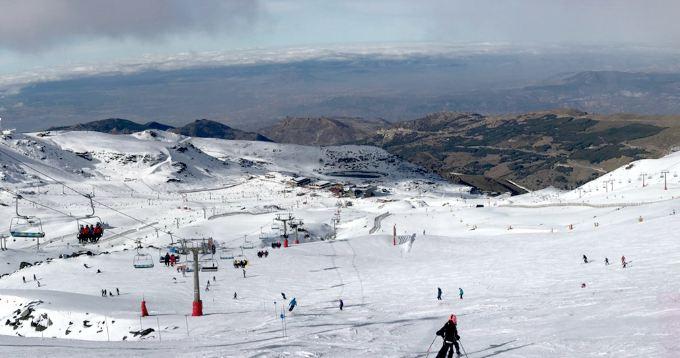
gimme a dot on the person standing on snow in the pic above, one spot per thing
(439, 293)
(342, 304)
(606, 261)
(585, 259)
(460, 292)
(292, 305)
(450, 334)
(623, 261)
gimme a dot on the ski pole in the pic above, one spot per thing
(463, 348)
(430, 347)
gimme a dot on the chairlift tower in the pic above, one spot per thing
(665, 182)
(195, 246)
(284, 221)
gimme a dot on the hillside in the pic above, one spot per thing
(561, 148)
(322, 130)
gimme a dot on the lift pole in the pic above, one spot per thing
(197, 309)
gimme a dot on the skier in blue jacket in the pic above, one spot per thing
(292, 304)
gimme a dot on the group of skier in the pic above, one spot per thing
(624, 263)
(440, 292)
(169, 259)
(89, 233)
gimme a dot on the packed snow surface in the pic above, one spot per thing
(518, 259)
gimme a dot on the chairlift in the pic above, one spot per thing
(89, 220)
(226, 254)
(23, 226)
(142, 260)
(208, 265)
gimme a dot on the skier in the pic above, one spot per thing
(292, 305)
(235, 296)
(117, 292)
(585, 259)
(450, 334)
(623, 261)
(342, 304)
(606, 261)
(244, 273)
(167, 259)
(439, 293)
(283, 295)
(460, 292)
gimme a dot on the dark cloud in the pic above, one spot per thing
(30, 25)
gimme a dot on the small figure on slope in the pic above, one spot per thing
(439, 293)
(342, 304)
(585, 259)
(623, 262)
(460, 292)
(606, 261)
(292, 305)
(450, 334)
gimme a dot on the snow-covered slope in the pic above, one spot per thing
(518, 259)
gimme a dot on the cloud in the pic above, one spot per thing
(34, 25)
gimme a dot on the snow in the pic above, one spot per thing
(517, 258)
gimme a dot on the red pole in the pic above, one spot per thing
(145, 312)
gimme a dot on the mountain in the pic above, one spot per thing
(323, 130)
(111, 125)
(562, 148)
(158, 126)
(204, 128)
(200, 128)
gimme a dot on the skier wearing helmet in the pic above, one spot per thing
(450, 334)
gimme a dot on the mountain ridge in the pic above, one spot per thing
(202, 128)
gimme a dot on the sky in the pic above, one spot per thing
(43, 34)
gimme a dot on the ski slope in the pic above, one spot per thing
(517, 258)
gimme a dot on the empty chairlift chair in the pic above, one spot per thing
(208, 265)
(142, 260)
(226, 254)
(23, 226)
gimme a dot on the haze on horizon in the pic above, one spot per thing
(69, 61)
(44, 33)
